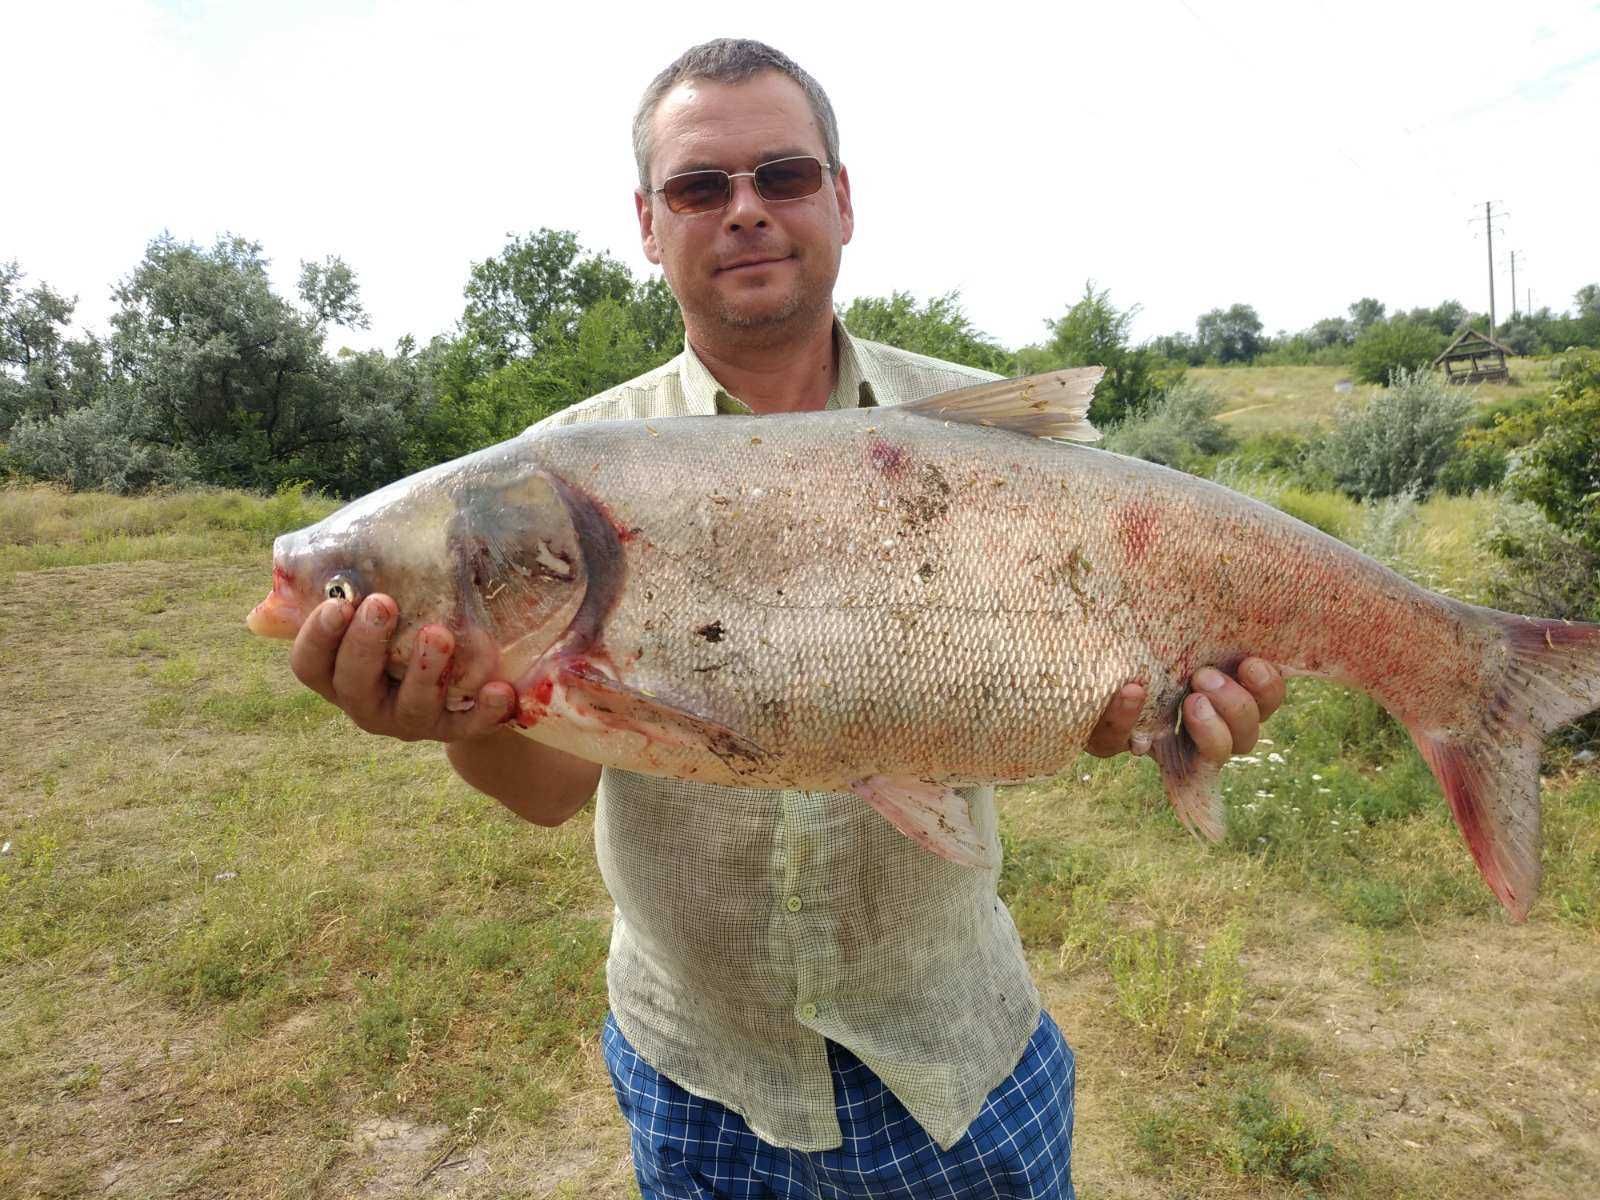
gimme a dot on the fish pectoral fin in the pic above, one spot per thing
(930, 814)
(1192, 783)
(616, 705)
(1054, 404)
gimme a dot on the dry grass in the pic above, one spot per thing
(1290, 399)
(246, 951)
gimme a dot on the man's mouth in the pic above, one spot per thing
(753, 261)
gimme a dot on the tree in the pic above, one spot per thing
(1231, 335)
(1364, 313)
(43, 372)
(939, 328)
(535, 291)
(1397, 345)
(546, 324)
(1094, 332)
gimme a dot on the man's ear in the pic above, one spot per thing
(847, 214)
(647, 226)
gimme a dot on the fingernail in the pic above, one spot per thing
(1129, 697)
(1255, 672)
(1202, 709)
(333, 617)
(496, 699)
(1208, 679)
(1139, 744)
(377, 614)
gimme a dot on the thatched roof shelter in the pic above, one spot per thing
(1475, 358)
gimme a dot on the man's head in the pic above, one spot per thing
(757, 266)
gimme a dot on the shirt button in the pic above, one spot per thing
(808, 1012)
(794, 904)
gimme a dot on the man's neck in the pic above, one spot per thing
(793, 375)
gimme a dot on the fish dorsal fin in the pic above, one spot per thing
(1054, 404)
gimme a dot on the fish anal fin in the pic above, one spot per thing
(593, 695)
(1192, 782)
(1054, 404)
(932, 815)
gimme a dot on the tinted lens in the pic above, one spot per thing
(697, 191)
(788, 178)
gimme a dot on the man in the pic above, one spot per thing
(804, 1002)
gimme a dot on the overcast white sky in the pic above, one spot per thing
(1186, 154)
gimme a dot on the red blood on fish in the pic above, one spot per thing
(1138, 526)
(886, 457)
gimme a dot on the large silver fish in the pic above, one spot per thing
(902, 600)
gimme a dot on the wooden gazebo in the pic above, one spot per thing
(1474, 358)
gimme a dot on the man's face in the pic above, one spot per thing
(756, 266)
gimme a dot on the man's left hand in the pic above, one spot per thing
(1222, 715)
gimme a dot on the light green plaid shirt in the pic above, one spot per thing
(751, 925)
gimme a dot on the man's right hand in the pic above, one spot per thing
(340, 654)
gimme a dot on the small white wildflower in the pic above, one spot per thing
(1264, 795)
(1325, 791)
(1317, 777)
(1275, 757)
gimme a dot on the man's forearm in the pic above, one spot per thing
(537, 783)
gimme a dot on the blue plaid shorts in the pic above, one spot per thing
(1018, 1147)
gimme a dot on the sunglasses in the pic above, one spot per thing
(707, 191)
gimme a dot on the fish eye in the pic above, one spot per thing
(341, 587)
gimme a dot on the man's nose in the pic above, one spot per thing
(745, 208)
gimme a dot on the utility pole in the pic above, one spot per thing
(1488, 219)
(1513, 285)
(1488, 229)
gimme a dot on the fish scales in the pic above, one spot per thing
(901, 600)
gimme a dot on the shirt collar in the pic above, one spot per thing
(858, 384)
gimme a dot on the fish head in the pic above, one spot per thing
(492, 552)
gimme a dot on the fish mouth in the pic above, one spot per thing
(278, 616)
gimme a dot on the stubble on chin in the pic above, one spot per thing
(771, 326)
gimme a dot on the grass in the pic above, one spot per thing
(248, 951)
(1258, 400)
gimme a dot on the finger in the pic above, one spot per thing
(1208, 731)
(419, 700)
(1112, 734)
(1265, 682)
(1234, 705)
(316, 645)
(360, 686)
(494, 703)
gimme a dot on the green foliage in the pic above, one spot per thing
(546, 325)
(1399, 440)
(1542, 569)
(938, 328)
(1560, 472)
(1189, 1006)
(1388, 347)
(98, 446)
(1094, 332)
(43, 373)
(1276, 1140)
(1178, 430)
(1231, 335)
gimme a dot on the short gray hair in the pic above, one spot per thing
(730, 60)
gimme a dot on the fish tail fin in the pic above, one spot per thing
(1490, 775)
(1192, 781)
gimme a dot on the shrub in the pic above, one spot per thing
(1394, 346)
(94, 448)
(1560, 472)
(1178, 430)
(1400, 440)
